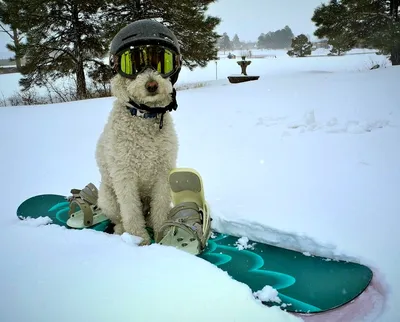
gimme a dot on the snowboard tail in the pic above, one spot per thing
(305, 284)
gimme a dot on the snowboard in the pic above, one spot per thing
(305, 283)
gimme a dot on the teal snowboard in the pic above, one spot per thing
(305, 284)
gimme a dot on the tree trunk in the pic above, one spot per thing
(81, 89)
(395, 51)
(395, 55)
(394, 9)
(18, 49)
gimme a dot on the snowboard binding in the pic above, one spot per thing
(89, 214)
(188, 226)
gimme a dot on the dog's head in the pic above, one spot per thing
(145, 56)
(148, 88)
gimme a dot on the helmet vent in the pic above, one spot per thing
(130, 36)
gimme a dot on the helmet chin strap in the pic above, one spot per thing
(134, 108)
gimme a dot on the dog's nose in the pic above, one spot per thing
(152, 86)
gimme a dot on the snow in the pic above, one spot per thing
(268, 293)
(243, 243)
(130, 239)
(36, 222)
(306, 158)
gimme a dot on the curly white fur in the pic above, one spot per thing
(135, 157)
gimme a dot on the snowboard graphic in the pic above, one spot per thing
(305, 284)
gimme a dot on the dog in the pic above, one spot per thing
(135, 156)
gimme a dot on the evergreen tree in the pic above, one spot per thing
(269, 41)
(261, 41)
(301, 46)
(9, 9)
(340, 45)
(62, 38)
(236, 44)
(225, 42)
(278, 39)
(288, 36)
(374, 23)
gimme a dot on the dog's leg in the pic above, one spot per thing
(160, 204)
(132, 217)
(108, 204)
(107, 200)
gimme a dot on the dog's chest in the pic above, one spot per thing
(143, 145)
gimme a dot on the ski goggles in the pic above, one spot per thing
(134, 60)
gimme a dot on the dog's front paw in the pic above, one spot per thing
(146, 240)
(118, 229)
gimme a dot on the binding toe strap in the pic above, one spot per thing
(84, 199)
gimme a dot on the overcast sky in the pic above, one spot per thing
(250, 18)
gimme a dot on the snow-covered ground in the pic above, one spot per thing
(222, 68)
(306, 157)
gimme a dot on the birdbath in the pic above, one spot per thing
(243, 77)
(243, 64)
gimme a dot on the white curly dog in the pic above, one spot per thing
(134, 153)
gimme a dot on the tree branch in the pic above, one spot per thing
(65, 51)
(97, 62)
(6, 31)
(372, 14)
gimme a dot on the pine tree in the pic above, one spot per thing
(340, 44)
(225, 42)
(62, 38)
(236, 44)
(261, 41)
(288, 36)
(373, 23)
(278, 39)
(301, 46)
(269, 40)
(383, 15)
(9, 9)
(330, 19)
(282, 38)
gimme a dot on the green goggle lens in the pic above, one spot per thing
(132, 61)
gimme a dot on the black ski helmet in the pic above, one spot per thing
(143, 32)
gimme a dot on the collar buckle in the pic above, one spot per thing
(140, 113)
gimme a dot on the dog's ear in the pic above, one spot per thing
(178, 60)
